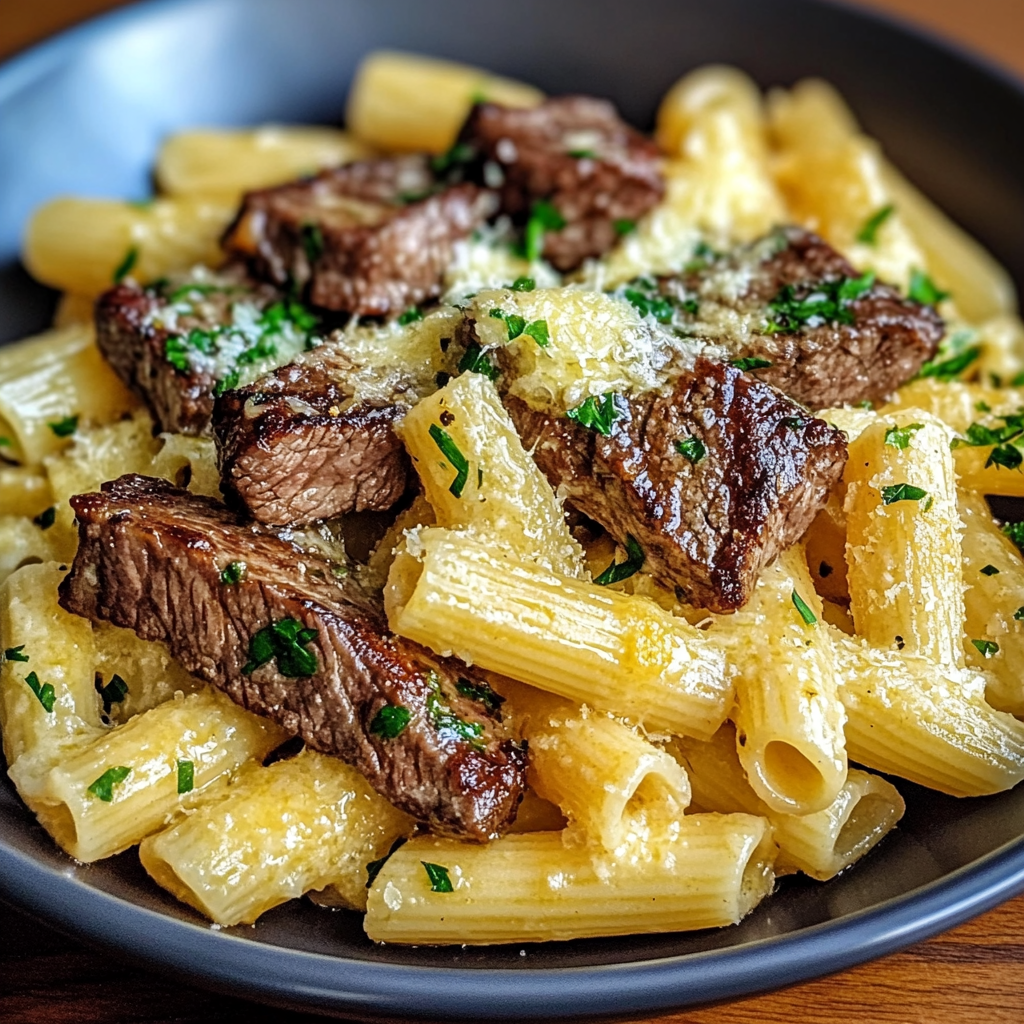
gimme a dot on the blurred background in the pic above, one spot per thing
(992, 27)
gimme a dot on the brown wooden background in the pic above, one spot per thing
(973, 975)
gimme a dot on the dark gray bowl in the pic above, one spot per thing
(84, 113)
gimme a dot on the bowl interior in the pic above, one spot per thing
(85, 113)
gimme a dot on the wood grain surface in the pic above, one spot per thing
(972, 975)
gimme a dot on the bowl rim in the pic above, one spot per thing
(338, 984)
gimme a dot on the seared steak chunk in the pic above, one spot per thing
(371, 238)
(575, 154)
(315, 439)
(713, 476)
(178, 343)
(828, 335)
(269, 625)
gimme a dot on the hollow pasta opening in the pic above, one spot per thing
(790, 774)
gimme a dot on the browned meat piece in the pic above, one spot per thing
(178, 343)
(753, 471)
(830, 336)
(576, 154)
(371, 238)
(294, 447)
(270, 626)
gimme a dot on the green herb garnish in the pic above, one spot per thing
(103, 787)
(989, 570)
(390, 721)
(596, 413)
(582, 154)
(46, 518)
(538, 330)
(947, 369)
(65, 427)
(475, 361)
(233, 572)
(411, 315)
(659, 306)
(460, 153)
(828, 302)
(624, 227)
(373, 868)
(186, 777)
(14, 654)
(804, 609)
(127, 264)
(922, 289)
(986, 648)
(1015, 531)
(899, 437)
(692, 447)
(1005, 455)
(544, 217)
(481, 693)
(524, 284)
(444, 720)
(438, 875)
(619, 571)
(227, 383)
(286, 641)
(751, 363)
(901, 492)
(312, 242)
(450, 450)
(44, 692)
(868, 234)
(113, 693)
(1019, 613)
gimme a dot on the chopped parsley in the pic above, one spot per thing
(1005, 455)
(65, 427)
(475, 361)
(538, 330)
(953, 358)
(127, 264)
(176, 353)
(645, 297)
(901, 492)
(828, 303)
(199, 289)
(438, 875)
(46, 518)
(410, 316)
(582, 154)
(804, 609)
(5, 442)
(227, 383)
(481, 693)
(286, 641)
(524, 284)
(544, 217)
(1015, 531)
(450, 450)
(233, 572)
(868, 233)
(186, 777)
(444, 720)
(44, 692)
(263, 349)
(751, 363)
(922, 289)
(624, 227)
(596, 413)
(312, 242)
(899, 437)
(373, 868)
(978, 435)
(516, 326)
(113, 693)
(989, 570)
(461, 153)
(692, 447)
(103, 787)
(390, 721)
(619, 571)
(701, 258)
(14, 654)
(986, 648)
(1019, 613)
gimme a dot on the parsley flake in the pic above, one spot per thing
(186, 777)
(922, 289)
(103, 787)
(286, 641)
(827, 302)
(481, 693)
(312, 242)
(901, 492)
(619, 571)
(127, 265)
(450, 450)
(438, 875)
(227, 383)
(1015, 531)
(692, 447)
(751, 363)
(233, 572)
(624, 227)
(538, 330)
(651, 303)
(582, 154)
(444, 720)
(5, 442)
(524, 284)
(1006, 455)
(410, 316)
(373, 868)
(1019, 613)
(868, 233)
(596, 413)
(950, 369)
(460, 153)
(899, 437)
(989, 570)
(543, 217)
(113, 693)
(46, 518)
(390, 721)
(65, 427)
(986, 648)
(804, 609)
(14, 654)
(44, 692)
(475, 361)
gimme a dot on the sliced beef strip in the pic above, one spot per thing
(575, 153)
(144, 335)
(294, 447)
(708, 524)
(150, 559)
(371, 238)
(820, 364)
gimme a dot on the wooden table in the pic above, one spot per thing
(974, 974)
